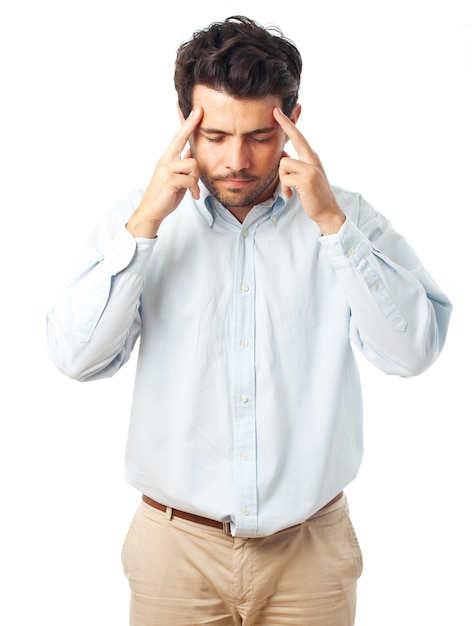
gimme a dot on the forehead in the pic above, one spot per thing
(224, 112)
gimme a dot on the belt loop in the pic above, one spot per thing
(169, 512)
(227, 528)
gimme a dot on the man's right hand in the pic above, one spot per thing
(172, 177)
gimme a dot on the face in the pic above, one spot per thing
(238, 146)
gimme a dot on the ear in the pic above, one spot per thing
(295, 114)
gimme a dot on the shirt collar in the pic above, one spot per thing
(207, 204)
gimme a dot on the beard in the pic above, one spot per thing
(234, 198)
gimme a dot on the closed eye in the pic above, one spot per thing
(214, 139)
(261, 139)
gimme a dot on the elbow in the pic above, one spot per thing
(78, 362)
(414, 368)
(428, 346)
(82, 360)
(73, 366)
(407, 353)
(76, 367)
(419, 353)
(65, 360)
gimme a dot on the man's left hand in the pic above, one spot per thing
(307, 176)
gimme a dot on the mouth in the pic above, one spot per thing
(236, 183)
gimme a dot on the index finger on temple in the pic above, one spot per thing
(298, 140)
(185, 132)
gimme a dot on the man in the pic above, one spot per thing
(248, 277)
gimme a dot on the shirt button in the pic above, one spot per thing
(244, 287)
(244, 343)
(244, 456)
(374, 287)
(351, 251)
(244, 399)
(246, 511)
(274, 219)
(245, 232)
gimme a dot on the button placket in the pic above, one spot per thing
(244, 427)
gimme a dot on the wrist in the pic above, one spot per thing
(331, 225)
(142, 226)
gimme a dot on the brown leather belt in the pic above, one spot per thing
(225, 526)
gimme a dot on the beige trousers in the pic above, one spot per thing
(183, 574)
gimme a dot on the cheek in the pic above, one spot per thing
(273, 154)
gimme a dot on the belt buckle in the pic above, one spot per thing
(227, 528)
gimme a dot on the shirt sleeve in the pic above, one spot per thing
(101, 300)
(399, 315)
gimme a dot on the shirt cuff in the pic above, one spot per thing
(127, 252)
(348, 247)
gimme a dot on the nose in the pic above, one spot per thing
(237, 154)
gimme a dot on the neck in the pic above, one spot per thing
(240, 213)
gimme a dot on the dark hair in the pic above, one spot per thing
(241, 58)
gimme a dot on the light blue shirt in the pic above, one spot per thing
(247, 404)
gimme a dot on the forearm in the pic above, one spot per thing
(399, 316)
(94, 324)
(397, 324)
(95, 320)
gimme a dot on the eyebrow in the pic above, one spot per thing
(257, 131)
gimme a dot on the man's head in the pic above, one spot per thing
(240, 58)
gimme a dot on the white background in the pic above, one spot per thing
(87, 106)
